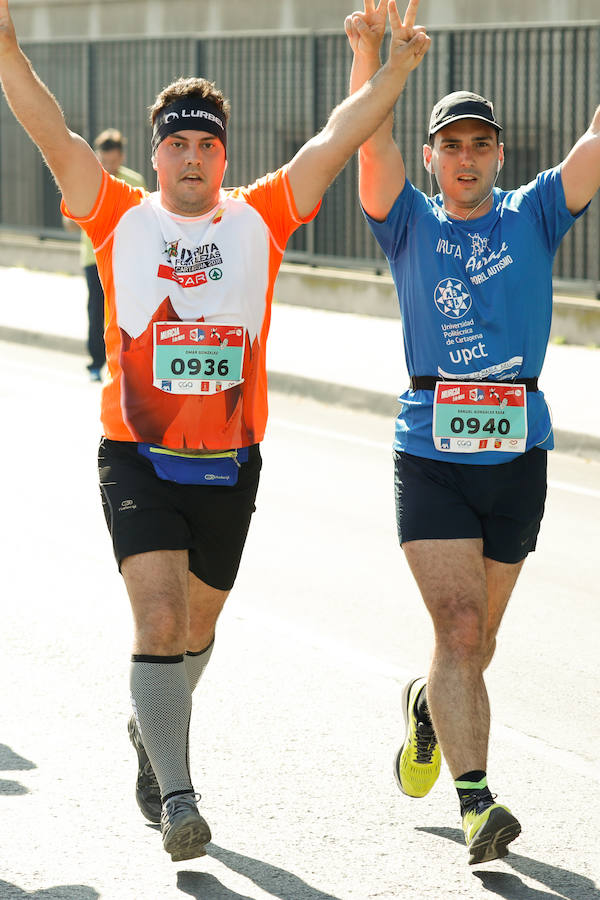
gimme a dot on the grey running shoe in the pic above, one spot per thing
(147, 791)
(184, 831)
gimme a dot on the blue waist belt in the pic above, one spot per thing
(219, 468)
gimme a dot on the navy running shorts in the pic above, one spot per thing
(144, 512)
(501, 504)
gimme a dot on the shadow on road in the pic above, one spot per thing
(200, 884)
(60, 892)
(271, 879)
(570, 885)
(12, 787)
(12, 762)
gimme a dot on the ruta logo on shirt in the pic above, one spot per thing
(187, 259)
(191, 267)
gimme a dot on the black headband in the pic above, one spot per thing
(190, 113)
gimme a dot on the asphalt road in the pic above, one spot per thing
(297, 720)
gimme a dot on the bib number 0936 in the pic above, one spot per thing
(198, 357)
(195, 366)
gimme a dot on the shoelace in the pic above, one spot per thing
(426, 743)
(180, 800)
(476, 804)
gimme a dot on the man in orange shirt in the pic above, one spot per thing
(188, 275)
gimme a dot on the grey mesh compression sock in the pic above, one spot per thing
(162, 703)
(195, 664)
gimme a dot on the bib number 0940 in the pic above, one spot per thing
(195, 366)
(473, 426)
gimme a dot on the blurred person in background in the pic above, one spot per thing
(110, 150)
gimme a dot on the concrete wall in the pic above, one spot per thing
(104, 18)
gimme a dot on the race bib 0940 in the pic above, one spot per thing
(471, 417)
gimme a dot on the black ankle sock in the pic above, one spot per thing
(471, 788)
(422, 709)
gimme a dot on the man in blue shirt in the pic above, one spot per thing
(473, 271)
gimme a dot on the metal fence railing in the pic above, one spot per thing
(544, 81)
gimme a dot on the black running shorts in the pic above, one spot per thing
(143, 512)
(501, 504)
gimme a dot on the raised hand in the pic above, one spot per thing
(365, 30)
(8, 38)
(409, 42)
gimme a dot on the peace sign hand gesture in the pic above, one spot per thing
(409, 42)
(365, 30)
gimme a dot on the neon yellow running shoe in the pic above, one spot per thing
(418, 761)
(489, 828)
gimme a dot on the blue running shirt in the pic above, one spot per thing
(475, 299)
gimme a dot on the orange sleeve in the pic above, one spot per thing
(113, 200)
(272, 197)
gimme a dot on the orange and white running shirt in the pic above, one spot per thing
(156, 266)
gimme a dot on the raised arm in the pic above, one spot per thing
(581, 169)
(381, 172)
(352, 122)
(71, 160)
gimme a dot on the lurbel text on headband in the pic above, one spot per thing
(192, 113)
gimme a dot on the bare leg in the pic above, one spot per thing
(501, 579)
(205, 605)
(173, 611)
(466, 596)
(157, 584)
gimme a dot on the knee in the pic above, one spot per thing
(163, 632)
(460, 631)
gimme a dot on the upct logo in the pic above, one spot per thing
(466, 354)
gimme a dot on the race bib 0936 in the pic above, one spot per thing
(197, 357)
